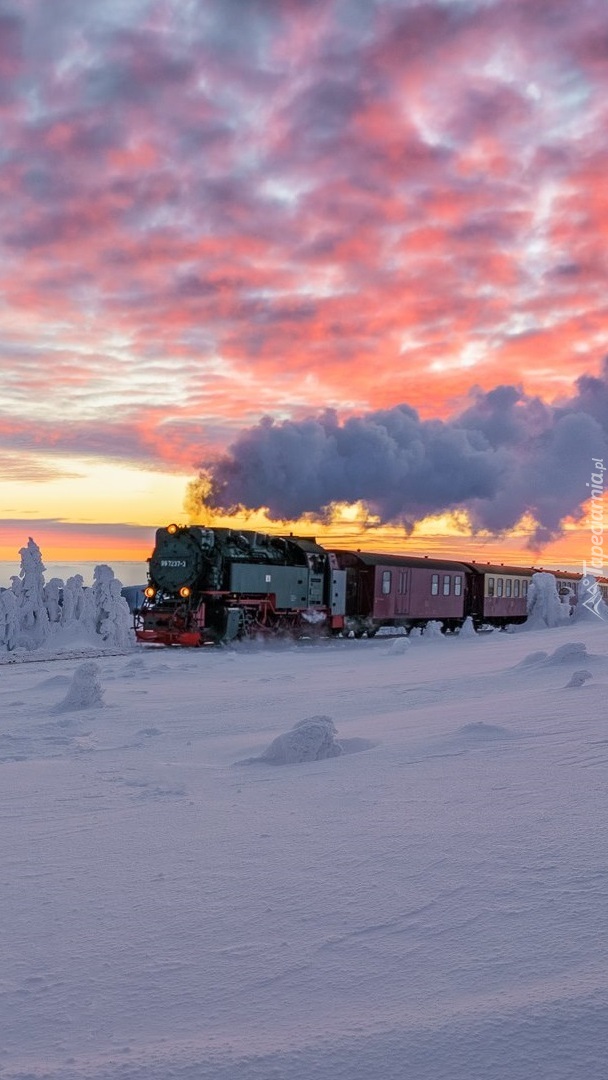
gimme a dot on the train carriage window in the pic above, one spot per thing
(447, 581)
(499, 584)
(434, 584)
(490, 586)
(508, 587)
(516, 587)
(386, 582)
(403, 581)
(524, 588)
(457, 585)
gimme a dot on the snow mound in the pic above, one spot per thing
(356, 745)
(467, 630)
(398, 647)
(480, 732)
(433, 629)
(478, 735)
(579, 678)
(533, 658)
(135, 664)
(313, 739)
(134, 668)
(72, 636)
(85, 691)
(570, 653)
(53, 682)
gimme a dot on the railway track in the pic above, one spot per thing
(69, 654)
(40, 657)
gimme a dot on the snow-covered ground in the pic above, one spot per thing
(429, 902)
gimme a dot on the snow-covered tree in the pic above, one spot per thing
(88, 616)
(73, 600)
(124, 635)
(33, 613)
(9, 619)
(53, 599)
(112, 615)
(545, 608)
(29, 591)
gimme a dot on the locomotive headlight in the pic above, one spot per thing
(185, 591)
(172, 529)
(150, 592)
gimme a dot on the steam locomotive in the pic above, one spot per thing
(207, 586)
(212, 585)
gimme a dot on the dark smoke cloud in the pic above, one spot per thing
(505, 456)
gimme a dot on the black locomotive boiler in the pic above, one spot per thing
(210, 585)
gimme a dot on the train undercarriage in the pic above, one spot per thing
(219, 618)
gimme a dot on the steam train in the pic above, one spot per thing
(210, 586)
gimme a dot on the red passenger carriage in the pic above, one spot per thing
(498, 593)
(401, 590)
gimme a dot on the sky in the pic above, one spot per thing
(341, 263)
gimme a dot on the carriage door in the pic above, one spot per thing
(474, 598)
(402, 598)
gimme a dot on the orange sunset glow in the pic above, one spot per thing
(336, 269)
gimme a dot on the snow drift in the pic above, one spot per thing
(85, 690)
(313, 739)
(427, 910)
